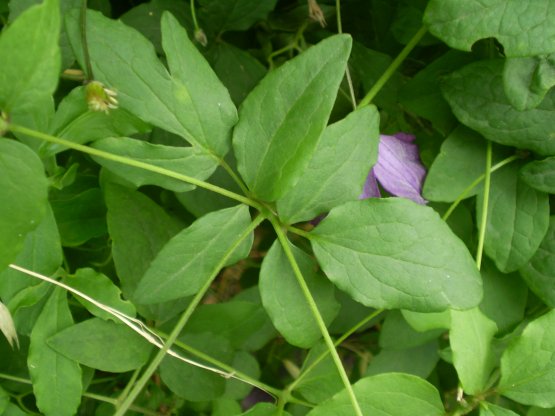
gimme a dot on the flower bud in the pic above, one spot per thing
(100, 98)
(200, 37)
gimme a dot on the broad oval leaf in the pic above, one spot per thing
(189, 260)
(518, 218)
(477, 97)
(337, 169)
(23, 197)
(31, 56)
(104, 345)
(190, 161)
(283, 298)
(391, 394)
(393, 253)
(488, 409)
(528, 365)
(282, 119)
(524, 27)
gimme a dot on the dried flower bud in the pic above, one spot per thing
(7, 326)
(316, 13)
(200, 37)
(100, 98)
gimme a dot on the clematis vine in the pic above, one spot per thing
(398, 169)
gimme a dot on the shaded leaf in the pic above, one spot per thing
(540, 174)
(223, 15)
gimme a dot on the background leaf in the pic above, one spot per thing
(188, 260)
(337, 169)
(393, 253)
(518, 217)
(522, 27)
(220, 16)
(23, 200)
(56, 379)
(528, 365)
(283, 298)
(476, 96)
(105, 345)
(273, 150)
(540, 174)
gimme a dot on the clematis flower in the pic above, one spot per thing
(398, 169)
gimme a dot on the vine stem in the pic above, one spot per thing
(135, 163)
(316, 314)
(145, 377)
(475, 183)
(485, 205)
(393, 67)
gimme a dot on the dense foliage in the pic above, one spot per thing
(277, 207)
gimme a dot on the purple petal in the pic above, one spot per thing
(399, 169)
(370, 189)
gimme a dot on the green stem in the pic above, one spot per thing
(122, 409)
(316, 314)
(298, 231)
(485, 204)
(339, 341)
(135, 163)
(194, 15)
(84, 44)
(393, 67)
(234, 176)
(475, 183)
(347, 72)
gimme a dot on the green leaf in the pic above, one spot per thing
(238, 70)
(102, 289)
(125, 61)
(80, 213)
(208, 113)
(321, 382)
(540, 174)
(391, 394)
(488, 409)
(476, 96)
(56, 379)
(282, 119)
(422, 94)
(470, 336)
(518, 218)
(528, 365)
(537, 411)
(104, 345)
(504, 298)
(247, 364)
(189, 161)
(221, 16)
(397, 334)
(538, 272)
(419, 361)
(523, 27)
(74, 121)
(243, 323)
(226, 407)
(423, 322)
(139, 228)
(337, 169)
(189, 259)
(461, 160)
(527, 80)
(265, 409)
(283, 298)
(31, 55)
(42, 253)
(392, 253)
(23, 197)
(194, 383)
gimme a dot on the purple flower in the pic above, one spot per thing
(398, 169)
